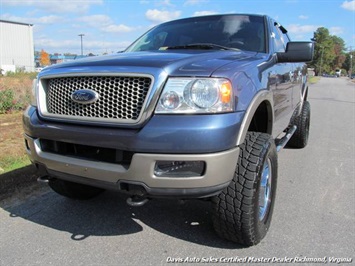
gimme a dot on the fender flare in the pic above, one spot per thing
(305, 92)
(261, 96)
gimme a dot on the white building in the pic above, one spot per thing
(16, 46)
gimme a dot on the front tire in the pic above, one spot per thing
(74, 190)
(242, 212)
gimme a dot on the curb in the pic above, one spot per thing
(17, 179)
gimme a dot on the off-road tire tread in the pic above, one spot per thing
(233, 214)
(302, 121)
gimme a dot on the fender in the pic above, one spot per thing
(261, 96)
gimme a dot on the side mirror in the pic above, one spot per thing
(297, 52)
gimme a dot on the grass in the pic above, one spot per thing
(22, 75)
(8, 164)
(15, 91)
(13, 154)
(313, 80)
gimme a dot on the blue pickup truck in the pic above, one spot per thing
(195, 108)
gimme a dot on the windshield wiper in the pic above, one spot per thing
(206, 46)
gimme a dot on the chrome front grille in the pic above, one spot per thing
(120, 97)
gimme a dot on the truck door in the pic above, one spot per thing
(282, 80)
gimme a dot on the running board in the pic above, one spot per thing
(280, 143)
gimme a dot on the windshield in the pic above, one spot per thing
(242, 32)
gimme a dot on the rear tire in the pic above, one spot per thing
(242, 212)
(74, 190)
(302, 121)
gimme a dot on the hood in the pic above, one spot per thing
(177, 63)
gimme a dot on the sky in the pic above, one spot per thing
(110, 26)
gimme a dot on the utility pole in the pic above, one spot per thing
(81, 41)
(321, 61)
(351, 61)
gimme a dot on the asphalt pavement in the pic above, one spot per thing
(314, 215)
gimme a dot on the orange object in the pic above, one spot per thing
(226, 92)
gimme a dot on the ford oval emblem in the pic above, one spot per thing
(85, 96)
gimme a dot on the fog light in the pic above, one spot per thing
(179, 168)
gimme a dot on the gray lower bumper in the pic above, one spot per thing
(219, 171)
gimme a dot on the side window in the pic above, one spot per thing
(280, 39)
(286, 38)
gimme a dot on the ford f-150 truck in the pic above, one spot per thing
(195, 108)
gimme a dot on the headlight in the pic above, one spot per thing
(33, 99)
(204, 93)
(196, 95)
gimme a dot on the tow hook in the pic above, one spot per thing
(43, 179)
(136, 201)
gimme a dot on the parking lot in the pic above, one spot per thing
(314, 216)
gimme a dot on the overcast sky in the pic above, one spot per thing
(111, 25)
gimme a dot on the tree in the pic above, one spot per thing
(44, 58)
(339, 47)
(348, 64)
(328, 52)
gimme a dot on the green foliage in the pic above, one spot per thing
(15, 91)
(9, 103)
(349, 62)
(328, 53)
(6, 100)
(20, 74)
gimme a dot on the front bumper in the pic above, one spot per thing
(218, 173)
(208, 142)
